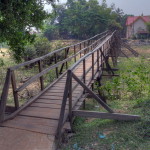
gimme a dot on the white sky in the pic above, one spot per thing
(135, 7)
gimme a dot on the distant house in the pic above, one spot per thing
(136, 25)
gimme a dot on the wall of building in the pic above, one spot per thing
(137, 26)
(129, 32)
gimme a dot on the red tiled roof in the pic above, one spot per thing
(132, 19)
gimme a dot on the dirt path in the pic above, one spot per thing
(16, 139)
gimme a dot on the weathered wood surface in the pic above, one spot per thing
(41, 117)
(39, 121)
(103, 115)
(16, 139)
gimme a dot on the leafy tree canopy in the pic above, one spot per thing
(17, 17)
(82, 19)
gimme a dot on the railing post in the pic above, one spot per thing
(70, 100)
(98, 60)
(66, 55)
(14, 87)
(92, 65)
(5, 95)
(41, 78)
(92, 47)
(75, 59)
(80, 50)
(84, 44)
(102, 57)
(84, 80)
(84, 72)
(86, 49)
(55, 55)
(63, 106)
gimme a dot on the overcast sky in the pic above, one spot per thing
(135, 7)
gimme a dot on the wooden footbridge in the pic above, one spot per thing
(38, 123)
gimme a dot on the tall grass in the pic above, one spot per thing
(133, 83)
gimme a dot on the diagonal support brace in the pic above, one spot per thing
(106, 62)
(93, 94)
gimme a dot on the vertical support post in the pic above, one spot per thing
(86, 49)
(102, 57)
(14, 87)
(99, 91)
(70, 100)
(63, 106)
(4, 96)
(90, 46)
(106, 60)
(84, 72)
(66, 53)
(92, 86)
(84, 80)
(55, 56)
(84, 44)
(75, 59)
(41, 78)
(97, 60)
(80, 49)
(92, 66)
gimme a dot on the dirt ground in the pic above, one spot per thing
(4, 53)
(143, 49)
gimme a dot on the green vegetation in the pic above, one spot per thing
(133, 83)
(130, 94)
(17, 18)
(40, 47)
(79, 19)
(82, 19)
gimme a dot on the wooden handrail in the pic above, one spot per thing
(32, 79)
(82, 80)
(89, 46)
(88, 54)
(5, 95)
(52, 53)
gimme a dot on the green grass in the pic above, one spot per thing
(130, 94)
(119, 134)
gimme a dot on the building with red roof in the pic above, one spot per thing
(136, 25)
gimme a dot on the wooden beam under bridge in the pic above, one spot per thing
(103, 115)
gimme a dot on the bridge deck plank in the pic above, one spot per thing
(35, 126)
(42, 115)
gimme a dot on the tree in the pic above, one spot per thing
(81, 19)
(17, 18)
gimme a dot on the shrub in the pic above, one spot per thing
(1, 62)
(52, 32)
(133, 82)
(40, 47)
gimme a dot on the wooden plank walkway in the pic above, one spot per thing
(40, 119)
(36, 124)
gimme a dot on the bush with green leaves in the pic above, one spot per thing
(133, 83)
(1, 62)
(51, 32)
(40, 47)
